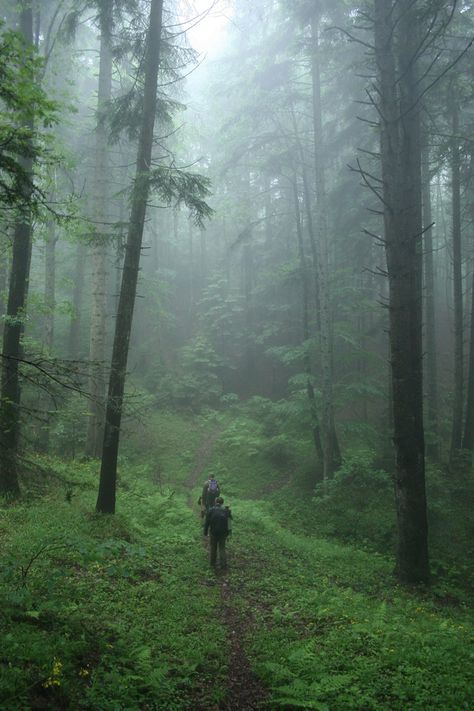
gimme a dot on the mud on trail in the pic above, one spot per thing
(244, 691)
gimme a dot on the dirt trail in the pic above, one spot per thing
(244, 692)
(202, 458)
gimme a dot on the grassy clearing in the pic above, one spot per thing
(102, 612)
(331, 630)
(121, 612)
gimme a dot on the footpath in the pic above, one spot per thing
(244, 691)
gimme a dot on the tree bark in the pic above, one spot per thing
(48, 338)
(456, 432)
(74, 346)
(432, 447)
(332, 456)
(468, 437)
(315, 428)
(15, 321)
(141, 187)
(95, 425)
(50, 285)
(396, 43)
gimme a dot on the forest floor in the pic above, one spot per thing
(122, 613)
(244, 691)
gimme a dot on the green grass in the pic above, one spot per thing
(98, 610)
(121, 612)
(331, 629)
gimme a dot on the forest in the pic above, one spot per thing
(236, 243)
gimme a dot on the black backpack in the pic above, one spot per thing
(218, 521)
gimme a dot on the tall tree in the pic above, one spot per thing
(332, 457)
(432, 447)
(305, 293)
(141, 188)
(456, 433)
(18, 290)
(99, 253)
(397, 48)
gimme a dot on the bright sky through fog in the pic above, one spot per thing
(206, 32)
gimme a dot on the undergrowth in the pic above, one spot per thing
(92, 610)
(121, 612)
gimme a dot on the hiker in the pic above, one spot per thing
(210, 492)
(218, 522)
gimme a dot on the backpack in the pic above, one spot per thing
(219, 521)
(213, 487)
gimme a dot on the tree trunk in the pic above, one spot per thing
(96, 388)
(306, 333)
(50, 285)
(15, 321)
(50, 305)
(396, 43)
(141, 187)
(309, 219)
(468, 437)
(432, 447)
(332, 456)
(4, 269)
(456, 433)
(74, 347)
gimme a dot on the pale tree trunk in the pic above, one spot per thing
(123, 325)
(332, 456)
(50, 285)
(99, 254)
(396, 43)
(48, 336)
(468, 436)
(309, 219)
(456, 433)
(305, 290)
(202, 259)
(14, 324)
(432, 448)
(74, 345)
(191, 274)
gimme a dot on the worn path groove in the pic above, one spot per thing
(245, 692)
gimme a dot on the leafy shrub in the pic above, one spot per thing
(357, 504)
(196, 381)
(279, 452)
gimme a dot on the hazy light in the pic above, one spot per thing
(207, 24)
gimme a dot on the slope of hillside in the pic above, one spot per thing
(123, 612)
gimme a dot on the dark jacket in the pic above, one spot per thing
(208, 497)
(216, 517)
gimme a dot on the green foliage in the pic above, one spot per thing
(93, 611)
(195, 382)
(119, 612)
(176, 186)
(330, 629)
(356, 505)
(26, 113)
(68, 428)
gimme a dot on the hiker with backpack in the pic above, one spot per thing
(218, 523)
(210, 492)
